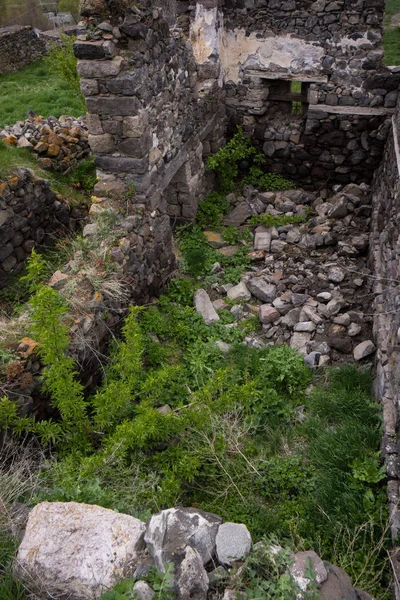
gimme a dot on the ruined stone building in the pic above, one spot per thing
(304, 80)
(166, 84)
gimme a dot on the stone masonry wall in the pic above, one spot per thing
(19, 46)
(384, 253)
(149, 111)
(332, 50)
(31, 215)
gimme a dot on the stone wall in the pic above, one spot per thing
(332, 51)
(31, 215)
(19, 46)
(150, 110)
(385, 252)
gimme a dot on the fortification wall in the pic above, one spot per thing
(19, 46)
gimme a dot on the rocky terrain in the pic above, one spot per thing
(58, 143)
(77, 551)
(310, 285)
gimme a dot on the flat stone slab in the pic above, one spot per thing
(364, 349)
(239, 292)
(204, 307)
(262, 239)
(239, 215)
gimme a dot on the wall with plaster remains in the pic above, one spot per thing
(149, 111)
(333, 50)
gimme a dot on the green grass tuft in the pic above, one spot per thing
(36, 88)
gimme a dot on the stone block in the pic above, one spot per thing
(88, 50)
(135, 126)
(92, 69)
(101, 143)
(89, 87)
(113, 106)
(136, 147)
(122, 163)
(94, 125)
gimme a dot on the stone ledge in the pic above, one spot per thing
(367, 111)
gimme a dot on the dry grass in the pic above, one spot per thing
(20, 461)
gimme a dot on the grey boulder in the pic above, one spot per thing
(233, 542)
(77, 550)
(171, 530)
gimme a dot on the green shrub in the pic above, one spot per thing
(211, 210)
(277, 221)
(226, 161)
(267, 182)
(62, 62)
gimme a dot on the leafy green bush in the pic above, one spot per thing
(226, 161)
(177, 421)
(211, 210)
(272, 221)
(62, 62)
(267, 182)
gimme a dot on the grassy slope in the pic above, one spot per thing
(35, 88)
(391, 39)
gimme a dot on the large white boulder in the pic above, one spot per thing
(171, 530)
(77, 550)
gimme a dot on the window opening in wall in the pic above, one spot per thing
(297, 107)
(291, 96)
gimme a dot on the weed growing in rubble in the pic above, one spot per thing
(225, 163)
(199, 257)
(211, 210)
(266, 182)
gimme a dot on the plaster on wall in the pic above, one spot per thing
(239, 51)
(205, 33)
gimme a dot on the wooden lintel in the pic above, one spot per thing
(286, 76)
(372, 111)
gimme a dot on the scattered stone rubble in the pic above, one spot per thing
(58, 143)
(78, 551)
(310, 284)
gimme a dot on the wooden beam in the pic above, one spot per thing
(264, 74)
(352, 110)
